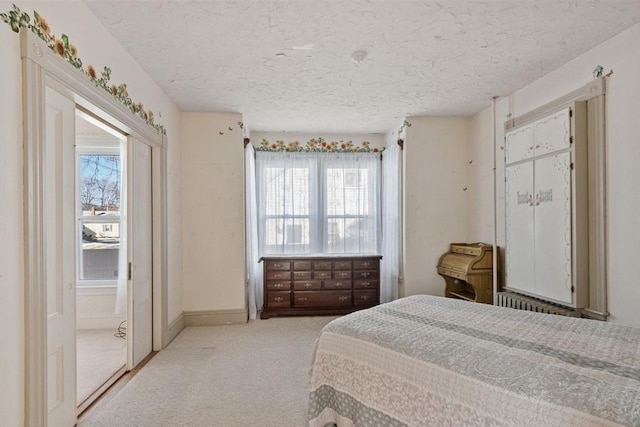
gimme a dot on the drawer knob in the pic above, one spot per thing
(343, 298)
(302, 299)
(365, 284)
(338, 284)
(278, 299)
(365, 274)
(278, 285)
(277, 265)
(366, 264)
(307, 285)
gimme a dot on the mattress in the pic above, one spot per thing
(432, 361)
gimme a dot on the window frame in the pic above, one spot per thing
(81, 218)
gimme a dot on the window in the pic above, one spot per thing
(318, 202)
(99, 190)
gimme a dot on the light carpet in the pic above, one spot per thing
(100, 354)
(254, 374)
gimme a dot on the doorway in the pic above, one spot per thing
(51, 93)
(101, 258)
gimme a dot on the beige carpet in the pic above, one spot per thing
(239, 375)
(99, 355)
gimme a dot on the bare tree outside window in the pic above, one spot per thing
(100, 183)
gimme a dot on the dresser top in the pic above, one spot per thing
(319, 256)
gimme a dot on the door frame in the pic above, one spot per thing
(41, 68)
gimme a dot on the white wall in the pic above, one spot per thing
(213, 196)
(11, 249)
(96, 46)
(435, 201)
(620, 54)
(376, 140)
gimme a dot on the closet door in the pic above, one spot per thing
(552, 227)
(519, 144)
(552, 133)
(520, 227)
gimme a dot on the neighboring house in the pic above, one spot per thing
(205, 191)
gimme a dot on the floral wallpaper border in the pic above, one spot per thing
(317, 145)
(17, 19)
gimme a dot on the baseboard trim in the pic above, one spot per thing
(99, 321)
(215, 317)
(173, 330)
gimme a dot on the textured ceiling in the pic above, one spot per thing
(287, 66)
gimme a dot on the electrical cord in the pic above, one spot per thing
(122, 330)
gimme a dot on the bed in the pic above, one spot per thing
(432, 361)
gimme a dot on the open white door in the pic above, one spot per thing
(59, 243)
(140, 251)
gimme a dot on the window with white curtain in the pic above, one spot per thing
(318, 202)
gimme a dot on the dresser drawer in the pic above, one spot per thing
(346, 274)
(278, 275)
(322, 275)
(365, 265)
(365, 274)
(365, 297)
(321, 299)
(342, 265)
(307, 285)
(337, 284)
(278, 299)
(278, 285)
(365, 284)
(302, 265)
(322, 265)
(301, 275)
(278, 265)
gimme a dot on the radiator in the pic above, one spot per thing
(522, 302)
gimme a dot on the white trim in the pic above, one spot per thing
(215, 317)
(35, 297)
(174, 329)
(99, 288)
(99, 321)
(40, 66)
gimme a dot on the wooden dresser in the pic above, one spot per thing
(467, 270)
(319, 285)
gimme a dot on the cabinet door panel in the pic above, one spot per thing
(552, 133)
(519, 144)
(553, 227)
(519, 227)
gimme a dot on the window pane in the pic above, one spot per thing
(351, 235)
(347, 192)
(100, 248)
(100, 184)
(291, 234)
(287, 191)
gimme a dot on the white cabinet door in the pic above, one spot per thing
(520, 231)
(552, 133)
(519, 144)
(59, 242)
(553, 227)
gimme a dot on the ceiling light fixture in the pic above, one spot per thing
(358, 56)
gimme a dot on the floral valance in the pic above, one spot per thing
(17, 19)
(318, 145)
